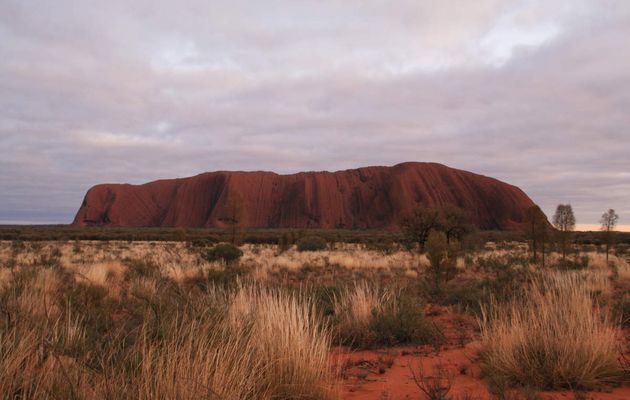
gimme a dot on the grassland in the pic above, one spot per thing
(120, 319)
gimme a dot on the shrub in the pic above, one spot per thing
(225, 252)
(353, 310)
(226, 277)
(580, 263)
(622, 310)
(284, 243)
(382, 246)
(468, 294)
(622, 250)
(440, 255)
(402, 322)
(366, 316)
(311, 243)
(141, 268)
(553, 337)
(202, 243)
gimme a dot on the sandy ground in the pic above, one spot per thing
(371, 374)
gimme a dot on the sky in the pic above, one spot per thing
(534, 93)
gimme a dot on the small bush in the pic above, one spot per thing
(311, 243)
(366, 316)
(226, 277)
(382, 246)
(141, 268)
(225, 252)
(440, 255)
(622, 310)
(284, 243)
(622, 250)
(468, 294)
(202, 243)
(402, 322)
(574, 264)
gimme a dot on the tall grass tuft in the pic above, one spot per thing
(367, 316)
(554, 337)
(354, 309)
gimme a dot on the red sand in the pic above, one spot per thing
(371, 197)
(397, 382)
(364, 381)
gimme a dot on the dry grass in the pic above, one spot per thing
(265, 259)
(246, 343)
(274, 348)
(179, 262)
(623, 270)
(355, 307)
(155, 320)
(555, 337)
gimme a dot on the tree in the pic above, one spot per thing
(455, 223)
(233, 215)
(442, 258)
(609, 222)
(537, 230)
(564, 221)
(417, 226)
(225, 252)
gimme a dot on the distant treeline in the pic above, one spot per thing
(268, 236)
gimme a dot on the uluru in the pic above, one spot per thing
(370, 197)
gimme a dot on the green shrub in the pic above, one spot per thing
(402, 322)
(469, 294)
(284, 243)
(622, 310)
(574, 264)
(440, 255)
(141, 268)
(366, 316)
(622, 250)
(202, 243)
(311, 243)
(225, 252)
(226, 277)
(387, 246)
(48, 261)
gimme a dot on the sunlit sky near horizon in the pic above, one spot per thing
(534, 93)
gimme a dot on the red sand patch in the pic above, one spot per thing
(397, 382)
(371, 374)
(365, 381)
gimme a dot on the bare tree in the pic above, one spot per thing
(609, 222)
(537, 230)
(564, 221)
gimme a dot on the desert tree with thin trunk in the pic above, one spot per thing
(609, 222)
(233, 216)
(564, 221)
(537, 230)
(417, 225)
(455, 222)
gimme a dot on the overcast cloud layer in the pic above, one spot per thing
(535, 93)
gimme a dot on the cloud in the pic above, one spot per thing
(535, 93)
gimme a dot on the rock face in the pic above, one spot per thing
(371, 197)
